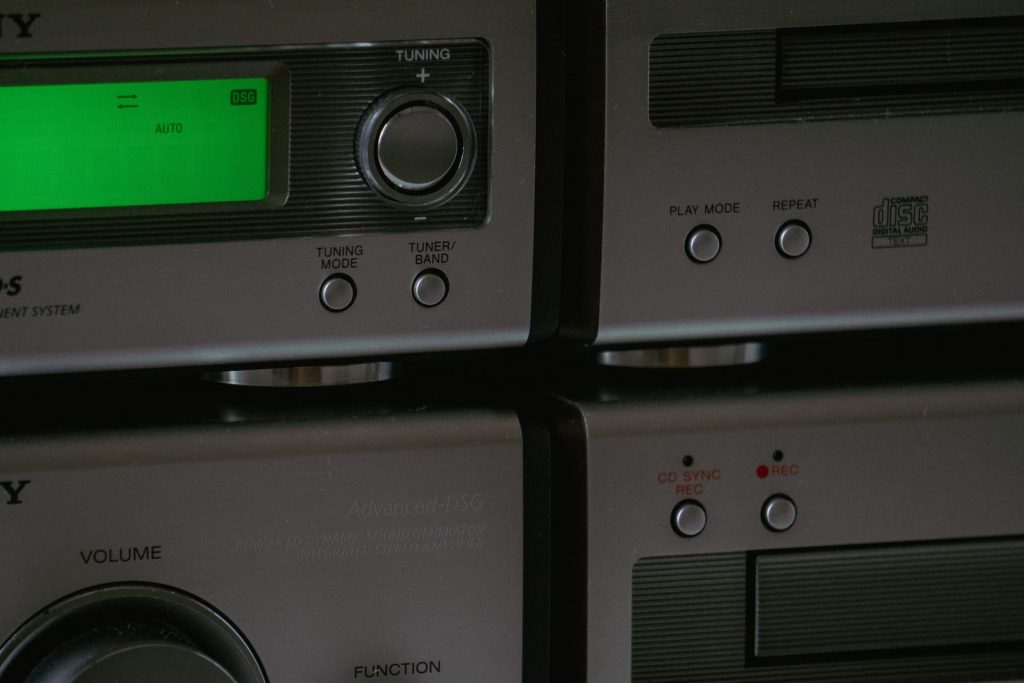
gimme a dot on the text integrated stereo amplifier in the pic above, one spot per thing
(226, 184)
(379, 545)
(750, 169)
(872, 533)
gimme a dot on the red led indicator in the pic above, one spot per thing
(762, 471)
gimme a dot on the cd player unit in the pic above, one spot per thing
(863, 533)
(348, 545)
(745, 170)
(196, 185)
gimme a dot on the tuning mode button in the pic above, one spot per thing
(416, 147)
(337, 292)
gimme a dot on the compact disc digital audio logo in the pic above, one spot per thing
(900, 222)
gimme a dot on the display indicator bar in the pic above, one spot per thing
(142, 143)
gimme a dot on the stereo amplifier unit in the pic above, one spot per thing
(349, 545)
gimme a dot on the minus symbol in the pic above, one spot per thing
(420, 218)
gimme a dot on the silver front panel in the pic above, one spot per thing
(257, 300)
(869, 467)
(748, 179)
(334, 545)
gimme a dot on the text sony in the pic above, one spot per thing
(23, 23)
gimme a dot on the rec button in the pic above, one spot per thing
(778, 513)
(337, 293)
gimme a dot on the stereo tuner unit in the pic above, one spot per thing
(339, 545)
(301, 181)
(864, 533)
(750, 170)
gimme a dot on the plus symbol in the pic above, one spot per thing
(423, 75)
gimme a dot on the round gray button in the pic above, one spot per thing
(689, 518)
(793, 239)
(337, 293)
(430, 288)
(417, 148)
(778, 513)
(703, 244)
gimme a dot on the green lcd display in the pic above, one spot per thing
(89, 145)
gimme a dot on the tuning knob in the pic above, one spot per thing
(129, 632)
(416, 147)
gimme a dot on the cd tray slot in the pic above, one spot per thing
(837, 72)
(897, 59)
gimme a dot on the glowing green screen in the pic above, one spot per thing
(133, 144)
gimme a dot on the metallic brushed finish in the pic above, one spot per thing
(307, 376)
(680, 357)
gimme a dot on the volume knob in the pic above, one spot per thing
(141, 633)
(416, 147)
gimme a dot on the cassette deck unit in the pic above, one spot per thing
(746, 170)
(791, 533)
(230, 185)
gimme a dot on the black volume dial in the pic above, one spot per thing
(128, 632)
(416, 147)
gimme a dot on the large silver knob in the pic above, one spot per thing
(128, 632)
(416, 147)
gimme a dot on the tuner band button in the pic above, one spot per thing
(703, 244)
(793, 239)
(778, 513)
(337, 293)
(689, 518)
(430, 288)
(417, 148)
